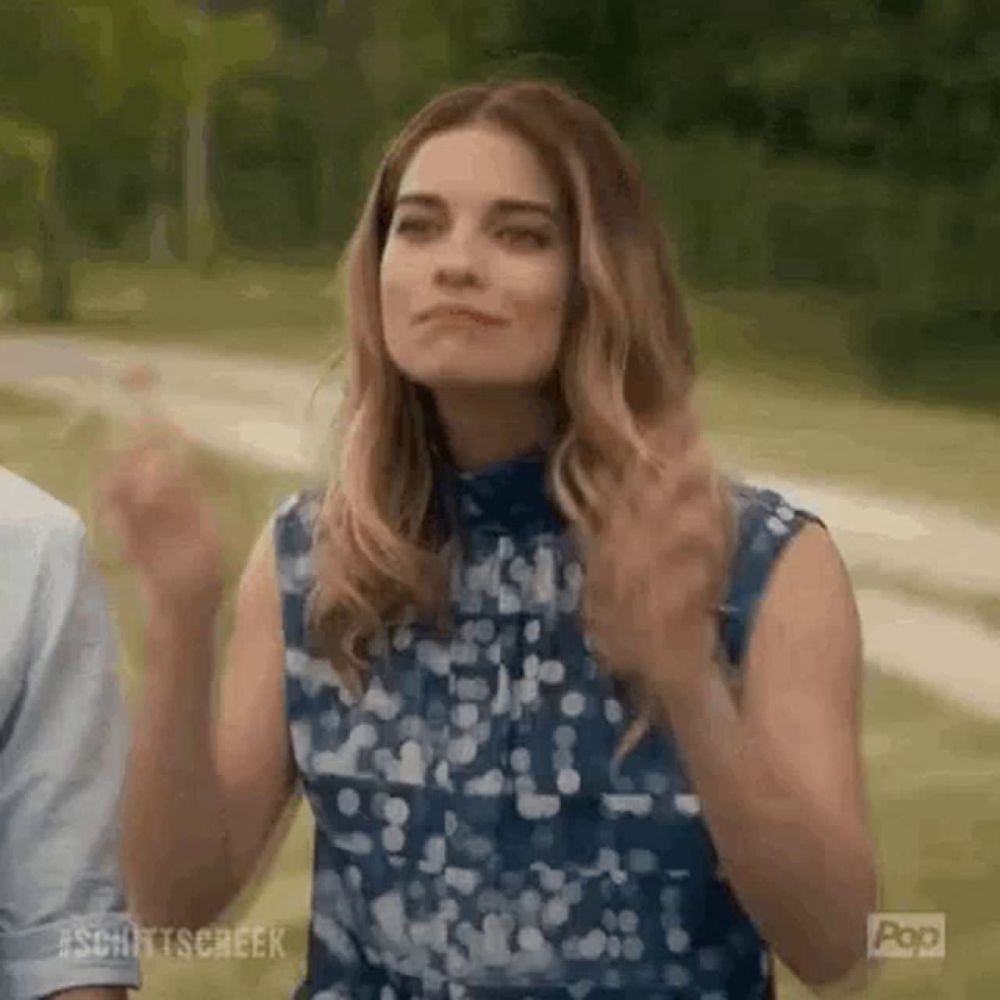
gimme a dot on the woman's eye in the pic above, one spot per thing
(524, 237)
(418, 227)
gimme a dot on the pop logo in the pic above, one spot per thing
(906, 935)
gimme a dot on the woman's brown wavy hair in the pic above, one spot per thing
(383, 553)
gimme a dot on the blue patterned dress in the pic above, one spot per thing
(473, 837)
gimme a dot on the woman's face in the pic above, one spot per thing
(476, 226)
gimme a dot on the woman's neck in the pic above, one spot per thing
(483, 426)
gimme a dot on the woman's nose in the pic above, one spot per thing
(452, 276)
(459, 261)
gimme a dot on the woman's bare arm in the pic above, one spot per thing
(781, 778)
(203, 795)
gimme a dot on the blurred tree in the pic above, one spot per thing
(219, 49)
(68, 68)
(593, 47)
(302, 18)
(293, 130)
(355, 71)
(911, 84)
(341, 104)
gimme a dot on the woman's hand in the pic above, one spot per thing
(658, 564)
(155, 503)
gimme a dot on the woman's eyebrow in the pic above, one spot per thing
(499, 206)
(419, 198)
(504, 205)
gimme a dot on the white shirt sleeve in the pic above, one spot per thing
(63, 742)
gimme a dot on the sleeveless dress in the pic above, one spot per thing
(474, 839)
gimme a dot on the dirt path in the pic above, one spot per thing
(260, 410)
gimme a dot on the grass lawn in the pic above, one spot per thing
(769, 423)
(781, 391)
(931, 773)
(258, 308)
(935, 805)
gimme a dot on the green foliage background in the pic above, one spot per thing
(834, 144)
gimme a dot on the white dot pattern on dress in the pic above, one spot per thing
(348, 801)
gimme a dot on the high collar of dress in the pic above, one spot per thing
(506, 497)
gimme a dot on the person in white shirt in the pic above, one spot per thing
(65, 931)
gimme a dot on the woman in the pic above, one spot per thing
(508, 651)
